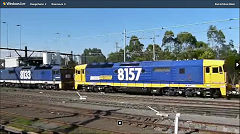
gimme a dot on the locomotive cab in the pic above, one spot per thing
(80, 75)
(214, 76)
(67, 78)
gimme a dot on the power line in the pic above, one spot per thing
(161, 28)
(227, 28)
(178, 26)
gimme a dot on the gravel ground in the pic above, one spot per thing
(71, 99)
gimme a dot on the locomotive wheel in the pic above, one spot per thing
(216, 94)
(53, 87)
(95, 89)
(205, 94)
(170, 93)
(188, 93)
(156, 92)
(39, 86)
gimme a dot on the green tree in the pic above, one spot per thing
(168, 40)
(233, 74)
(186, 40)
(134, 51)
(207, 53)
(93, 55)
(226, 49)
(148, 54)
(230, 55)
(116, 56)
(201, 44)
(216, 39)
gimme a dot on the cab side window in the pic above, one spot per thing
(182, 71)
(220, 69)
(207, 70)
(215, 70)
(82, 71)
(56, 72)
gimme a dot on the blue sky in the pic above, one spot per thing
(79, 28)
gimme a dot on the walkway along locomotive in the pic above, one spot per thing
(187, 78)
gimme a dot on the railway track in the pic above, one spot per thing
(164, 104)
(143, 122)
(57, 123)
(159, 99)
(229, 112)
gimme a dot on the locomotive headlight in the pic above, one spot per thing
(198, 93)
(68, 76)
(180, 92)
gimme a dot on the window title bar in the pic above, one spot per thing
(120, 4)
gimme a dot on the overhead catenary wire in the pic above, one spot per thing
(162, 28)
(158, 28)
(178, 26)
(228, 28)
(140, 38)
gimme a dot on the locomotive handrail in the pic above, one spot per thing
(17, 76)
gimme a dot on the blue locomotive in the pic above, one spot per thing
(43, 77)
(188, 77)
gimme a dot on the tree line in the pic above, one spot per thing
(183, 46)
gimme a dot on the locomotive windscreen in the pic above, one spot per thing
(67, 74)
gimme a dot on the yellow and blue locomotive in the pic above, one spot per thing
(187, 77)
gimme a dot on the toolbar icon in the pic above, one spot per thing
(119, 122)
(237, 64)
(4, 3)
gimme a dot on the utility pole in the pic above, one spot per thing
(125, 38)
(117, 47)
(80, 59)
(154, 56)
(238, 48)
(85, 57)
(7, 31)
(176, 123)
(26, 56)
(20, 41)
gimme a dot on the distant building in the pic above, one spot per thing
(51, 58)
(22, 61)
(11, 62)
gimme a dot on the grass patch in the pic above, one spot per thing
(26, 124)
(22, 123)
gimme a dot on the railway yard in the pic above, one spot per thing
(123, 71)
(52, 111)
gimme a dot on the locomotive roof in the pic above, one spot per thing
(146, 63)
(36, 67)
(162, 63)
